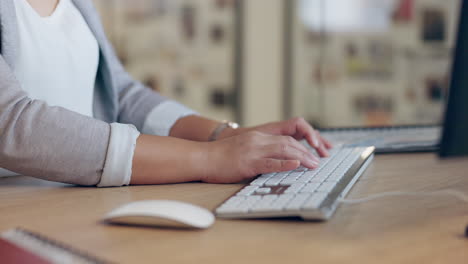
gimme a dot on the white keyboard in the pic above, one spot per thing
(309, 194)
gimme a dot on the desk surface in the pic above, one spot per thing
(390, 230)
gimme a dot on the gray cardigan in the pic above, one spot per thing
(54, 143)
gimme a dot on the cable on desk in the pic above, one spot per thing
(449, 192)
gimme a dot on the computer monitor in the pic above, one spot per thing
(455, 132)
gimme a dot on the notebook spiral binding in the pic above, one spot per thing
(49, 248)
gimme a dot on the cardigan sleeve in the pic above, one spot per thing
(48, 142)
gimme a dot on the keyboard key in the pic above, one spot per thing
(292, 178)
(309, 175)
(235, 200)
(269, 198)
(264, 209)
(321, 177)
(265, 201)
(297, 201)
(287, 182)
(335, 177)
(326, 187)
(314, 201)
(251, 200)
(275, 203)
(273, 182)
(271, 203)
(248, 190)
(295, 174)
(245, 205)
(310, 187)
(258, 181)
(281, 174)
(302, 180)
(263, 191)
(295, 188)
(229, 210)
(301, 169)
(268, 175)
(283, 200)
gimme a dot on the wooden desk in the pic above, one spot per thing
(391, 230)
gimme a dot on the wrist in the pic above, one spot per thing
(234, 132)
(229, 132)
(203, 161)
(224, 129)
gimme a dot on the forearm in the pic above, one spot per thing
(160, 160)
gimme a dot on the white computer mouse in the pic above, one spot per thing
(161, 213)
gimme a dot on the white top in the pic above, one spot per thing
(58, 57)
(57, 63)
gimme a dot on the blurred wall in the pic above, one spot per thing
(263, 64)
(352, 63)
(371, 63)
(182, 48)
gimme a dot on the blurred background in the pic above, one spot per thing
(338, 63)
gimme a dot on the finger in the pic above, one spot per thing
(292, 128)
(321, 150)
(286, 140)
(275, 165)
(306, 131)
(326, 142)
(288, 152)
(310, 153)
(301, 129)
(312, 137)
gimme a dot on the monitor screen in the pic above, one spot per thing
(455, 134)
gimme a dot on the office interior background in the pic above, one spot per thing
(336, 63)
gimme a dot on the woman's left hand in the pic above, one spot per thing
(297, 128)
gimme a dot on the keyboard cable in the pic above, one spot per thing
(447, 192)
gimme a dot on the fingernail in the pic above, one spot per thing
(325, 151)
(314, 162)
(315, 141)
(313, 157)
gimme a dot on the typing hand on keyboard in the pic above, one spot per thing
(247, 155)
(304, 192)
(296, 128)
(273, 147)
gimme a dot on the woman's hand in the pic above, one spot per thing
(238, 154)
(249, 154)
(297, 128)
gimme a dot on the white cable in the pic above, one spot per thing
(457, 194)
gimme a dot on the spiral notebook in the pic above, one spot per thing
(22, 246)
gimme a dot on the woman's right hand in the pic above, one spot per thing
(247, 155)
